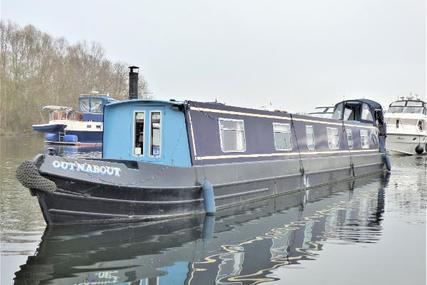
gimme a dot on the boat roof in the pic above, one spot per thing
(99, 96)
(372, 104)
(151, 101)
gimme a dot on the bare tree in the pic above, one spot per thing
(37, 69)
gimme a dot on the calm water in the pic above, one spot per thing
(370, 231)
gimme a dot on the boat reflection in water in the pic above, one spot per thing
(238, 246)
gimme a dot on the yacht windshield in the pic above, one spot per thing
(96, 105)
(407, 109)
(91, 105)
(413, 109)
(84, 105)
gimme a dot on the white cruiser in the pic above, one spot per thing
(407, 126)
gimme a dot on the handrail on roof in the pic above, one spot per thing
(57, 108)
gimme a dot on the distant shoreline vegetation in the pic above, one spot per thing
(37, 69)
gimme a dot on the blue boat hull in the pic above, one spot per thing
(81, 137)
(49, 128)
(87, 137)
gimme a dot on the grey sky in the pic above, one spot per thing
(296, 54)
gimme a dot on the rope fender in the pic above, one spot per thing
(29, 176)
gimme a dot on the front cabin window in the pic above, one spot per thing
(364, 138)
(96, 105)
(139, 119)
(309, 133)
(366, 113)
(155, 134)
(349, 133)
(338, 112)
(333, 138)
(409, 107)
(282, 136)
(84, 105)
(232, 135)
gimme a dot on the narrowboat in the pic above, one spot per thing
(70, 127)
(407, 126)
(244, 243)
(163, 159)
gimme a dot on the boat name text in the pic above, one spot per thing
(87, 168)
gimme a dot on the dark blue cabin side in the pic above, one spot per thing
(266, 135)
(147, 131)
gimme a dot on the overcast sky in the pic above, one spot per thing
(295, 54)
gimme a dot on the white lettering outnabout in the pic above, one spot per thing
(87, 168)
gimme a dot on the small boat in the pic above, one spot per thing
(75, 127)
(323, 112)
(164, 159)
(407, 126)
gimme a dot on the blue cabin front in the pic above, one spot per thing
(148, 131)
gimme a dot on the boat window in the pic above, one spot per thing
(364, 138)
(413, 110)
(333, 138)
(84, 105)
(338, 112)
(349, 138)
(282, 136)
(411, 107)
(139, 133)
(155, 134)
(366, 113)
(395, 109)
(309, 133)
(349, 114)
(232, 135)
(398, 103)
(414, 104)
(420, 125)
(96, 105)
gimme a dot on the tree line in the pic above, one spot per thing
(38, 69)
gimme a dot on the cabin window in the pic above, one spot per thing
(333, 138)
(366, 113)
(420, 125)
(282, 136)
(84, 105)
(349, 114)
(309, 133)
(338, 112)
(155, 134)
(232, 135)
(138, 148)
(364, 138)
(96, 105)
(349, 138)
